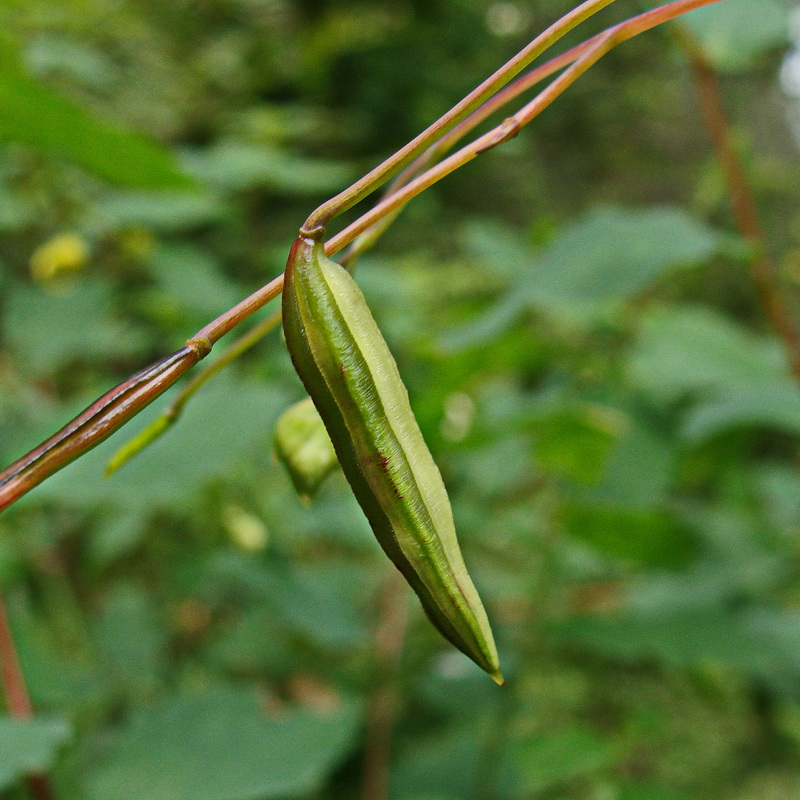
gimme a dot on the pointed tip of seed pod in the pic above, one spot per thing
(498, 678)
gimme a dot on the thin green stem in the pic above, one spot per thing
(95, 423)
(368, 239)
(383, 172)
(173, 411)
(225, 323)
(594, 50)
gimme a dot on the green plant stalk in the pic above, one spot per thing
(383, 172)
(363, 242)
(111, 411)
(159, 426)
(594, 50)
(94, 424)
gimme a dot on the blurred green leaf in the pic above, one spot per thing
(611, 254)
(326, 603)
(762, 643)
(222, 746)
(576, 442)
(681, 351)
(132, 637)
(591, 266)
(736, 33)
(191, 279)
(736, 379)
(38, 116)
(550, 760)
(650, 791)
(50, 331)
(162, 211)
(640, 536)
(236, 166)
(445, 762)
(639, 469)
(774, 406)
(29, 745)
(227, 422)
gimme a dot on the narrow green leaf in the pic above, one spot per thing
(36, 115)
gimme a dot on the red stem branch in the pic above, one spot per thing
(743, 205)
(16, 697)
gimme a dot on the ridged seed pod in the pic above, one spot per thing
(351, 376)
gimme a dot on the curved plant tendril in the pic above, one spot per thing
(94, 424)
(383, 172)
(588, 54)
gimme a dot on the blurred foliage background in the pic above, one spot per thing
(576, 321)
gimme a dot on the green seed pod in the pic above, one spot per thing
(304, 447)
(352, 378)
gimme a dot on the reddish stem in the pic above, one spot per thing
(16, 696)
(393, 616)
(743, 204)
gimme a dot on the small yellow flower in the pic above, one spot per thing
(63, 253)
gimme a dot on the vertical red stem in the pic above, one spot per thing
(16, 696)
(743, 205)
(382, 707)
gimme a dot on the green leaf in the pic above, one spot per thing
(775, 406)
(51, 331)
(132, 637)
(446, 762)
(28, 746)
(738, 379)
(591, 267)
(226, 421)
(698, 351)
(576, 441)
(162, 211)
(650, 791)
(639, 469)
(325, 603)
(223, 746)
(37, 116)
(734, 34)
(547, 761)
(641, 536)
(191, 279)
(762, 642)
(236, 166)
(610, 255)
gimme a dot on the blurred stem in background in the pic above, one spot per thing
(16, 697)
(745, 213)
(384, 699)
